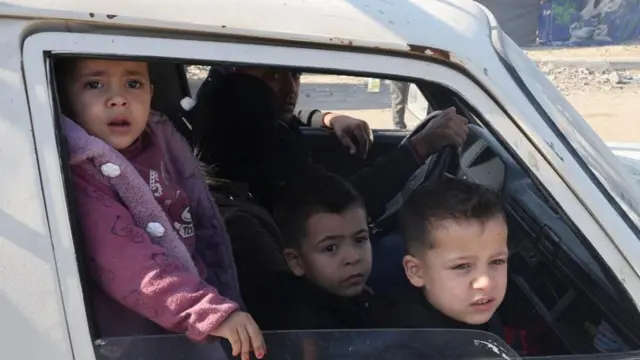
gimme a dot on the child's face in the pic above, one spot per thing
(336, 254)
(111, 99)
(465, 274)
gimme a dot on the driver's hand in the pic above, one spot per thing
(446, 128)
(243, 334)
(348, 129)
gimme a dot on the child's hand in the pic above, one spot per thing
(243, 334)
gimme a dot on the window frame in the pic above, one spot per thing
(503, 106)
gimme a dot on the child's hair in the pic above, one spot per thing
(449, 199)
(310, 195)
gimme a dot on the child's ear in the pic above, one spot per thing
(294, 261)
(413, 270)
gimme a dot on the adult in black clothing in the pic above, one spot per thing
(235, 142)
(377, 184)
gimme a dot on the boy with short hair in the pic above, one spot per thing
(324, 225)
(456, 238)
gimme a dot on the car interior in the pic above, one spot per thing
(559, 289)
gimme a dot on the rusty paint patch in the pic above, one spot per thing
(341, 41)
(92, 15)
(430, 51)
(109, 16)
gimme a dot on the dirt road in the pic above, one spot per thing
(611, 109)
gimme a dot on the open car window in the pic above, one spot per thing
(383, 103)
(380, 102)
(326, 345)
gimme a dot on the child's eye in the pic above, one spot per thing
(134, 84)
(461, 267)
(93, 85)
(361, 240)
(330, 248)
(498, 262)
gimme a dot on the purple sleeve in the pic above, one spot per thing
(140, 274)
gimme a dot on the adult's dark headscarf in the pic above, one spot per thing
(236, 127)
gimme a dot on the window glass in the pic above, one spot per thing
(326, 345)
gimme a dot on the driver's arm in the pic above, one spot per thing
(310, 117)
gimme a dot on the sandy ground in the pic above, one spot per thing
(613, 114)
(604, 52)
(614, 117)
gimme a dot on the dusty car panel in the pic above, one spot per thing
(384, 24)
(400, 26)
(33, 324)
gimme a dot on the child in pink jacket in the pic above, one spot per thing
(144, 209)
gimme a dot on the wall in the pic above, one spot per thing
(589, 22)
(517, 18)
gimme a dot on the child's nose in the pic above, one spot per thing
(352, 256)
(116, 100)
(481, 282)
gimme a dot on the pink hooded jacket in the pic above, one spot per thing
(146, 276)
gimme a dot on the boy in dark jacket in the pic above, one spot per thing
(324, 225)
(456, 238)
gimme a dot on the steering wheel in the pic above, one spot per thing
(446, 160)
(436, 166)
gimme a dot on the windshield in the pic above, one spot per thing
(609, 170)
(321, 345)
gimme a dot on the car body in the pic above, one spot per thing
(459, 45)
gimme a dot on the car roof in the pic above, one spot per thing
(460, 27)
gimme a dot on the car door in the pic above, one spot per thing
(503, 106)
